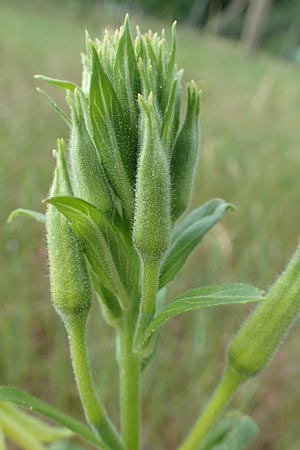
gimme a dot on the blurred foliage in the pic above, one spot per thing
(250, 157)
(281, 34)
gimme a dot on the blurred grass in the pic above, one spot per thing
(250, 156)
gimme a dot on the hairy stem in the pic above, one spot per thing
(94, 411)
(148, 301)
(225, 390)
(129, 385)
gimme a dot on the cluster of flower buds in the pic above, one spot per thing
(130, 161)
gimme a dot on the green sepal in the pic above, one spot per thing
(171, 120)
(188, 234)
(109, 304)
(170, 68)
(21, 398)
(102, 245)
(203, 297)
(60, 84)
(28, 213)
(111, 135)
(87, 174)
(185, 154)
(234, 432)
(55, 106)
(127, 82)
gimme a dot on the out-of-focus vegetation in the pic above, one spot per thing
(271, 24)
(250, 156)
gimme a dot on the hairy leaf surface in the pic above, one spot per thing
(188, 234)
(204, 297)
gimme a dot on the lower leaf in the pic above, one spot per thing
(19, 397)
(234, 432)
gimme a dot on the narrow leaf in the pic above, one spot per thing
(188, 234)
(18, 434)
(19, 397)
(65, 445)
(204, 297)
(2, 440)
(20, 212)
(102, 244)
(60, 84)
(55, 106)
(40, 429)
(234, 432)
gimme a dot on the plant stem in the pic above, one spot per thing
(94, 411)
(223, 393)
(129, 385)
(148, 301)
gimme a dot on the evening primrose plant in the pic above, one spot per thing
(118, 232)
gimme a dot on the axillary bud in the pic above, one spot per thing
(254, 345)
(69, 278)
(152, 221)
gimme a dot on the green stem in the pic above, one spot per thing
(225, 390)
(93, 409)
(129, 385)
(148, 301)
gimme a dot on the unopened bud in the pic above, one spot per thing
(88, 178)
(259, 338)
(185, 154)
(152, 224)
(70, 283)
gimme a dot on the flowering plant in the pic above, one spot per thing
(118, 231)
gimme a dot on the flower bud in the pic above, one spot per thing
(185, 154)
(110, 135)
(69, 278)
(88, 178)
(152, 223)
(259, 338)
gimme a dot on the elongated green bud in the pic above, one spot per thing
(185, 154)
(88, 178)
(152, 224)
(259, 338)
(70, 282)
(111, 135)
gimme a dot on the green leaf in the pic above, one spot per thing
(19, 397)
(234, 432)
(60, 84)
(20, 212)
(34, 425)
(55, 106)
(188, 234)
(102, 245)
(203, 297)
(2, 440)
(65, 445)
